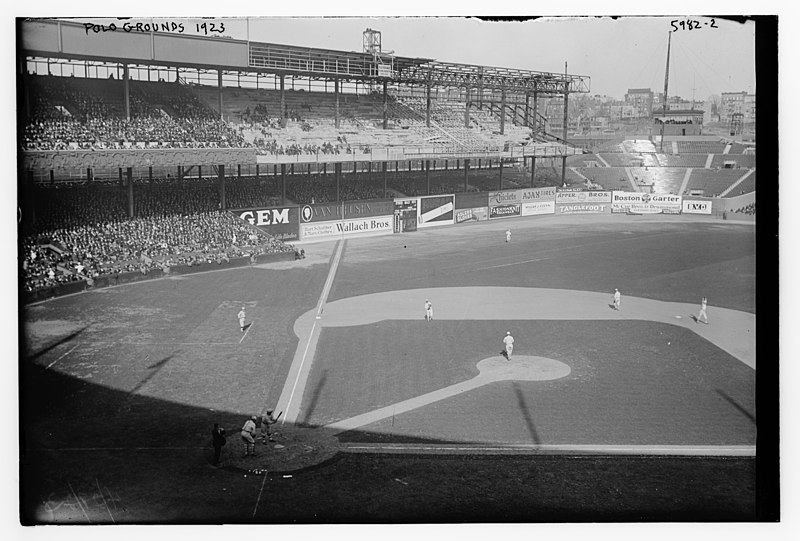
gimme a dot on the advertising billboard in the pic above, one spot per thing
(280, 222)
(645, 203)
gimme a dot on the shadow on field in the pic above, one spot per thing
(64, 340)
(526, 413)
(312, 405)
(736, 405)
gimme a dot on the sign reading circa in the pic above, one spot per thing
(645, 203)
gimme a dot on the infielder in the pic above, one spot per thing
(617, 298)
(428, 310)
(509, 342)
(702, 315)
(248, 436)
(241, 316)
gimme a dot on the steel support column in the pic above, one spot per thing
(126, 85)
(338, 174)
(466, 175)
(428, 175)
(385, 179)
(503, 111)
(501, 173)
(336, 109)
(428, 106)
(219, 91)
(466, 109)
(222, 200)
(385, 107)
(283, 184)
(283, 102)
(130, 191)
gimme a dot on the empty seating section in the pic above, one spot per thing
(683, 160)
(746, 186)
(639, 146)
(610, 178)
(745, 161)
(662, 179)
(622, 160)
(701, 147)
(713, 181)
(740, 148)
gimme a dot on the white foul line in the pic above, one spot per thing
(64, 355)
(246, 331)
(259, 495)
(322, 299)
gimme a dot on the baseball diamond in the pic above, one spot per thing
(279, 284)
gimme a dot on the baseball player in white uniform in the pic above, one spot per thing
(509, 342)
(248, 436)
(508, 235)
(617, 297)
(428, 310)
(242, 317)
(702, 315)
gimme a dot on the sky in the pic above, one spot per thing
(616, 54)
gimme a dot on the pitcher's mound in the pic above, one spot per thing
(522, 368)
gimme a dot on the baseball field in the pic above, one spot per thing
(636, 414)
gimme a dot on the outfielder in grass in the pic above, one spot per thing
(617, 299)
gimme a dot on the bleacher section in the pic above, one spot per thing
(683, 160)
(663, 179)
(746, 186)
(739, 148)
(700, 147)
(713, 181)
(743, 161)
(610, 178)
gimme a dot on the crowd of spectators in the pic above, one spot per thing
(166, 115)
(749, 209)
(83, 232)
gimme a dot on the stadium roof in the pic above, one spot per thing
(66, 39)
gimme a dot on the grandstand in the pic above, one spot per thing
(126, 178)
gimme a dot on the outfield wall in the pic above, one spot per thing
(310, 223)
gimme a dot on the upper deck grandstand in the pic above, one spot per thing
(301, 125)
